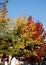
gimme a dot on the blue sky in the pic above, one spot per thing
(34, 8)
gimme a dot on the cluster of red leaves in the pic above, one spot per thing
(27, 26)
(40, 51)
(30, 18)
(43, 47)
(38, 29)
(39, 32)
(32, 59)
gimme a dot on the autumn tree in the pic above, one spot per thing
(29, 37)
(21, 37)
(6, 25)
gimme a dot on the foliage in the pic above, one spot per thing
(24, 37)
(30, 37)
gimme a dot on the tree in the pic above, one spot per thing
(5, 29)
(29, 38)
(22, 38)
